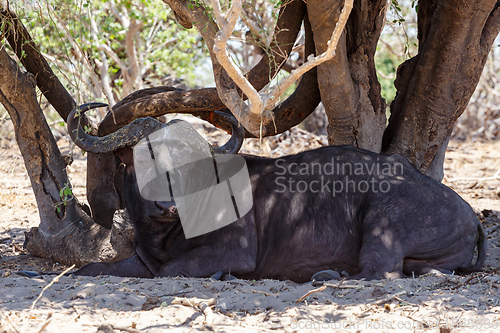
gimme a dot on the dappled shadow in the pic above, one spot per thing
(425, 301)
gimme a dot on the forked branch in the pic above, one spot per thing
(257, 113)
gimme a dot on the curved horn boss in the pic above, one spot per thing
(138, 129)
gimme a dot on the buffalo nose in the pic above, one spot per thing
(167, 208)
(173, 210)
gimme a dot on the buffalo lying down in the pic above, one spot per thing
(337, 208)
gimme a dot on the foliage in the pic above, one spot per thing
(481, 119)
(398, 42)
(166, 52)
(162, 50)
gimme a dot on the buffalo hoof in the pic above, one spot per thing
(325, 275)
(439, 272)
(229, 277)
(217, 276)
(220, 276)
(29, 274)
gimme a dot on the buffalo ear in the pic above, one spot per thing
(126, 155)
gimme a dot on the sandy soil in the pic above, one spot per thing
(111, 304)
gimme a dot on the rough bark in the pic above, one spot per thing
(435, 86)
(348, 83)
(66, 233)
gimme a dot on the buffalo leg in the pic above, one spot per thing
(199, 263)
(130, 267)
(381, 254)
(419, 267)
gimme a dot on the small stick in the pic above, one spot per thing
(207, 312)
(264, 293)
(387, 299)
(341, 286)
(125, 329)
(203, 305)
(54, 280)
(467, 281)
(8, 319)
(403, 301)
(309, 293)
(184, 291)
(44, 326)
(193, 301)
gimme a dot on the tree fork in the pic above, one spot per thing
(158, 101)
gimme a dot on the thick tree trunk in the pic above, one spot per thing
(66, 233)
(348, 83)
(435, 86)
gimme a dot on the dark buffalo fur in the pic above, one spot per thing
(405, 223)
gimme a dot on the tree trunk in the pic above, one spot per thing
(348, 83)
(66, 233)
(435, 86)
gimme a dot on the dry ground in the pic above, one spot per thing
(112, 304)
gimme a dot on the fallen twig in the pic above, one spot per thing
(403, 301)
(110, 328)
(387, 299)
(310, 292)
(264, 293)
(193, 301)
(125, 329)
(341, 286)
(8, 319)
(184, 291)
(54, 280)
(44, 326)
(494, 271)
(207, 312)
(468, 281)
(204, 306)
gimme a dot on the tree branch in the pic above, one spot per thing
(29, 55)
(233, 100)
(103, 66)
(254, 116)
(292, 16)
(123, 18)
(312, 61)
(131, 72)
(158, 101)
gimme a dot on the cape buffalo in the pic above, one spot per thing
(337, 208)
